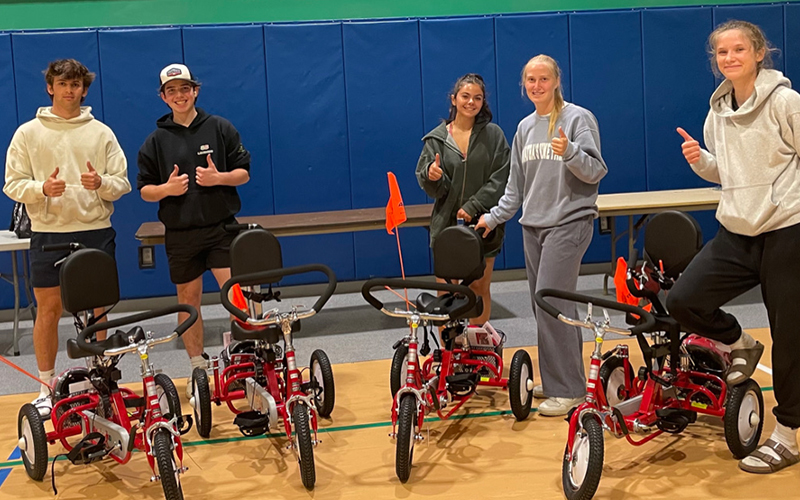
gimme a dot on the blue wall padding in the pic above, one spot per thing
(131, 62)
(235, 87)
(518, 38)
(449, 49)
(384, 119)
(32, 53)
(674, 98)
(606, 59)
(768, 17)
(308, 125)
(792, 39)
(326, 109)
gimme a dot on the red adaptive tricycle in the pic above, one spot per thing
(111, 421)
(682, 376)
(469, 357)
(254, 367)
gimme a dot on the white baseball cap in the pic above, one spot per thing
(177, 72)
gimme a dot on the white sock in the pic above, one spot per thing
(783, 435)
(745, 342)
(44, 390)
(198, 362)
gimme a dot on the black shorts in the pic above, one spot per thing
(44, 273)
(191, 252)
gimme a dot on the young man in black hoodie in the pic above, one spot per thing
(191, 165)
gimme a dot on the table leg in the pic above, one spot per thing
(613, 227)
(631, 236)
(15, 279)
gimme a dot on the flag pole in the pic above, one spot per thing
(402, 268)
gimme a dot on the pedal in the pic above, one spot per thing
(87, 451)
(252, 423)
(675, 420)
(462, 381)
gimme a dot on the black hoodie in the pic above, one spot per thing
(188, 147)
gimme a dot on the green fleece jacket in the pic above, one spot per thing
(474, 183)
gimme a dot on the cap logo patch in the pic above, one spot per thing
(173, 72)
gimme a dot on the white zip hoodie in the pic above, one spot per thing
(752, 154)
(49, 141)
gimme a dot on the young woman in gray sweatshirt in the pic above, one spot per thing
(752, 132)
(556, 167)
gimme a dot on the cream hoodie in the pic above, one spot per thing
(752, 154)
(49, 141)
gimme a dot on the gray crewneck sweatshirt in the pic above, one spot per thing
(552, 190)
(752, 153)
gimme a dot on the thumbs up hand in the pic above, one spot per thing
(54, 186)
(560, 143)
(176, 185)
(435, 169)
(207, 176)
(690, 147)
(91, 180)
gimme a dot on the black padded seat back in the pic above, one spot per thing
(254, 251)
(458, 255)
(88, 280)
(673, 238)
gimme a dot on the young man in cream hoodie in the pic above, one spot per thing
(67, 168)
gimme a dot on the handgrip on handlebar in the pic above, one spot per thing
(265, 277)
(236, 228)
(98, 349)
(647, 325)
(60, 247)
(423, 285)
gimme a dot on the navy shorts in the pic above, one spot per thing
(44, 272)
(191, 252)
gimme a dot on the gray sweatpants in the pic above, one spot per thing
(552, 260)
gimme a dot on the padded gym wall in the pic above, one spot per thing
(8, 123)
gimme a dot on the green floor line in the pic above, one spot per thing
(373, 425)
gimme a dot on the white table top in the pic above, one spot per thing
(9, 242)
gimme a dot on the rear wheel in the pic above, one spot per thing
(168, 398)
(520, 385)
(322, 375)
(613, 380)
(32, 441)
(744, 418)
(581, 475)
(399, 369)
(406, 436)
(201, 402)
(167, 467)
(305, 448)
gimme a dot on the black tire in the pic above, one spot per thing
(519, 395)
(305, 449)
(162, 451)
(30, 428)
(398, 372)
(581, 476)
(322, 373)
(406, 432)
(168, 398)
(744, 406)
(612, 373)
(202, 402)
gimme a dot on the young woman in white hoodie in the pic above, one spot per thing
(752, 133)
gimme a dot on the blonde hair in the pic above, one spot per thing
(558, 97)
(752, 32)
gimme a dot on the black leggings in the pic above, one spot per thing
(730, 265)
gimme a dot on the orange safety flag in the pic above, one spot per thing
(395, 211)
(624, 296)
(237, 297)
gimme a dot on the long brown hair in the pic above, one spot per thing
(558, 97)
(471, 78)
(753, 33)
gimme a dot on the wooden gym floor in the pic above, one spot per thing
(480, 453)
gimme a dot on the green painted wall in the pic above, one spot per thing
(53, 14)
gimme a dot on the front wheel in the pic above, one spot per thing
(167, 468)
(168, 398)
(399, 371)
(305, 449)
(32, 441)
(322, 375)
(744, 418)
(581, 475)
(520, 385)
(406, 436)
(201, 401)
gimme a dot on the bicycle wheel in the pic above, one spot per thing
(201, 399)
(612, 378)
(406, 434)
(32, 441)
(519, 376)
(322, 374)
(399, 369)
(168, 398)
(581, 475)
(167, 467)
(305, 449)
(744, 418)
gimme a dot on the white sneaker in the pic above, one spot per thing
(43, 403)
(538, 392)
(189, 392)
(556, 407)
